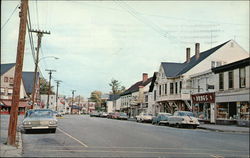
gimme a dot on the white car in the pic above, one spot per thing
(144, 117)
(182, 119)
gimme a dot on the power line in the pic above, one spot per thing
(9, 17)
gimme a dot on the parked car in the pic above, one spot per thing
(110, 115)
(122, 116)
(182, 119)
(39, 119)
(144, 117)
(161, 118)
(115, 115)
(103, 114)
(95, 114)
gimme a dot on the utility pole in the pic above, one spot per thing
(18, 74)
(79, 103)
(73, 92)
(50, 72)
(57, 85)
(39, 35)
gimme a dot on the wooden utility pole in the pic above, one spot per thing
(73, 92)
(57, 85)
(39, 35)
(50, 73)
(18, 74)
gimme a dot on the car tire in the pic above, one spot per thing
(178, 125)
(194, 126)
(53, 130)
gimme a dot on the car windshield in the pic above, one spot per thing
(40, 113)
(123, 114)
(147, 114)
(186, 114)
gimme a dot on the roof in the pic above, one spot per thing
(7, 102)
(113, 97)
(177, 69)
(6, 67)
(135, 87)
(151, 87)
(232, 66)
(28, 80)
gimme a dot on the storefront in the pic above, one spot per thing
(203, 106)
(5, 106)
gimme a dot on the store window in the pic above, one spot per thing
(244, 111)
(5, 79)
(222, 111)
(230, 79)
(242, 77)
(171, 88)
(221, 81)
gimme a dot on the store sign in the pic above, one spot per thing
(203, 98)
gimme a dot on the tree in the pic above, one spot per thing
(96, 97)
(44, 86)
(116, 87)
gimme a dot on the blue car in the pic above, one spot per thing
(161, 118)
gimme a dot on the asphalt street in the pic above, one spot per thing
(84, 136)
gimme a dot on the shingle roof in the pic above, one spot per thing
(177, 69)
(151, 87)
(135, 87)
(28, 79)
(6, 67)
(113, 97)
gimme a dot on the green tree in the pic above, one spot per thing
(116, 87)
(96, 97)
(44, 86)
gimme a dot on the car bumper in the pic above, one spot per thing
(39, 127)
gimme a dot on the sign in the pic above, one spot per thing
(203, 98)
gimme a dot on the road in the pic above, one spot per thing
(84, 136)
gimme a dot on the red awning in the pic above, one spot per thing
(21, 103)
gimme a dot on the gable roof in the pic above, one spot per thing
(177, 69)
(135, 87)
(6, 67)
(28, 79)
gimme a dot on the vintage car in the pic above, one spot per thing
(161, 118)
(183, 119)
(39, 119)
(103, 114)
(95, 114)
(115, 115)
(144, 117)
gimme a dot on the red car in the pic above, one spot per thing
(115, 115)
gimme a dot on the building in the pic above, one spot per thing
(52, 101)
(113, 103)
(133, 99)
(26, 88)
(173, 83)
(232, 93)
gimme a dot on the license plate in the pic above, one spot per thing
(40, 127)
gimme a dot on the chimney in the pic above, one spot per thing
(144, 77)
(197, 50)
(187, 55)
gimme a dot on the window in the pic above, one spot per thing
(180, 86)
(11, 80)
(2, 91)
(171, 88)
(176, 87)
(154, 94)
(5, 79)
(160, 90)
(221, 81)
(242, 77)
(230, 79)
(212, 64)
(10, 91)
(165, 88)
(146, 98)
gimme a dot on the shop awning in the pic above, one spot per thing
(8, 103)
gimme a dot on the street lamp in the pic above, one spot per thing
(35, 75)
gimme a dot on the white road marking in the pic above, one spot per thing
(73, 138)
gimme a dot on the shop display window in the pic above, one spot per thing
(222, 111)
(244, 111)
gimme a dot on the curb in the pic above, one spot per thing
(219, 130)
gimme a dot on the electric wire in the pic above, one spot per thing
(10, 17)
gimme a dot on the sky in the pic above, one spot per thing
(97, 41)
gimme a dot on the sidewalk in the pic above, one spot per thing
(7, 150)
(224, 128)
